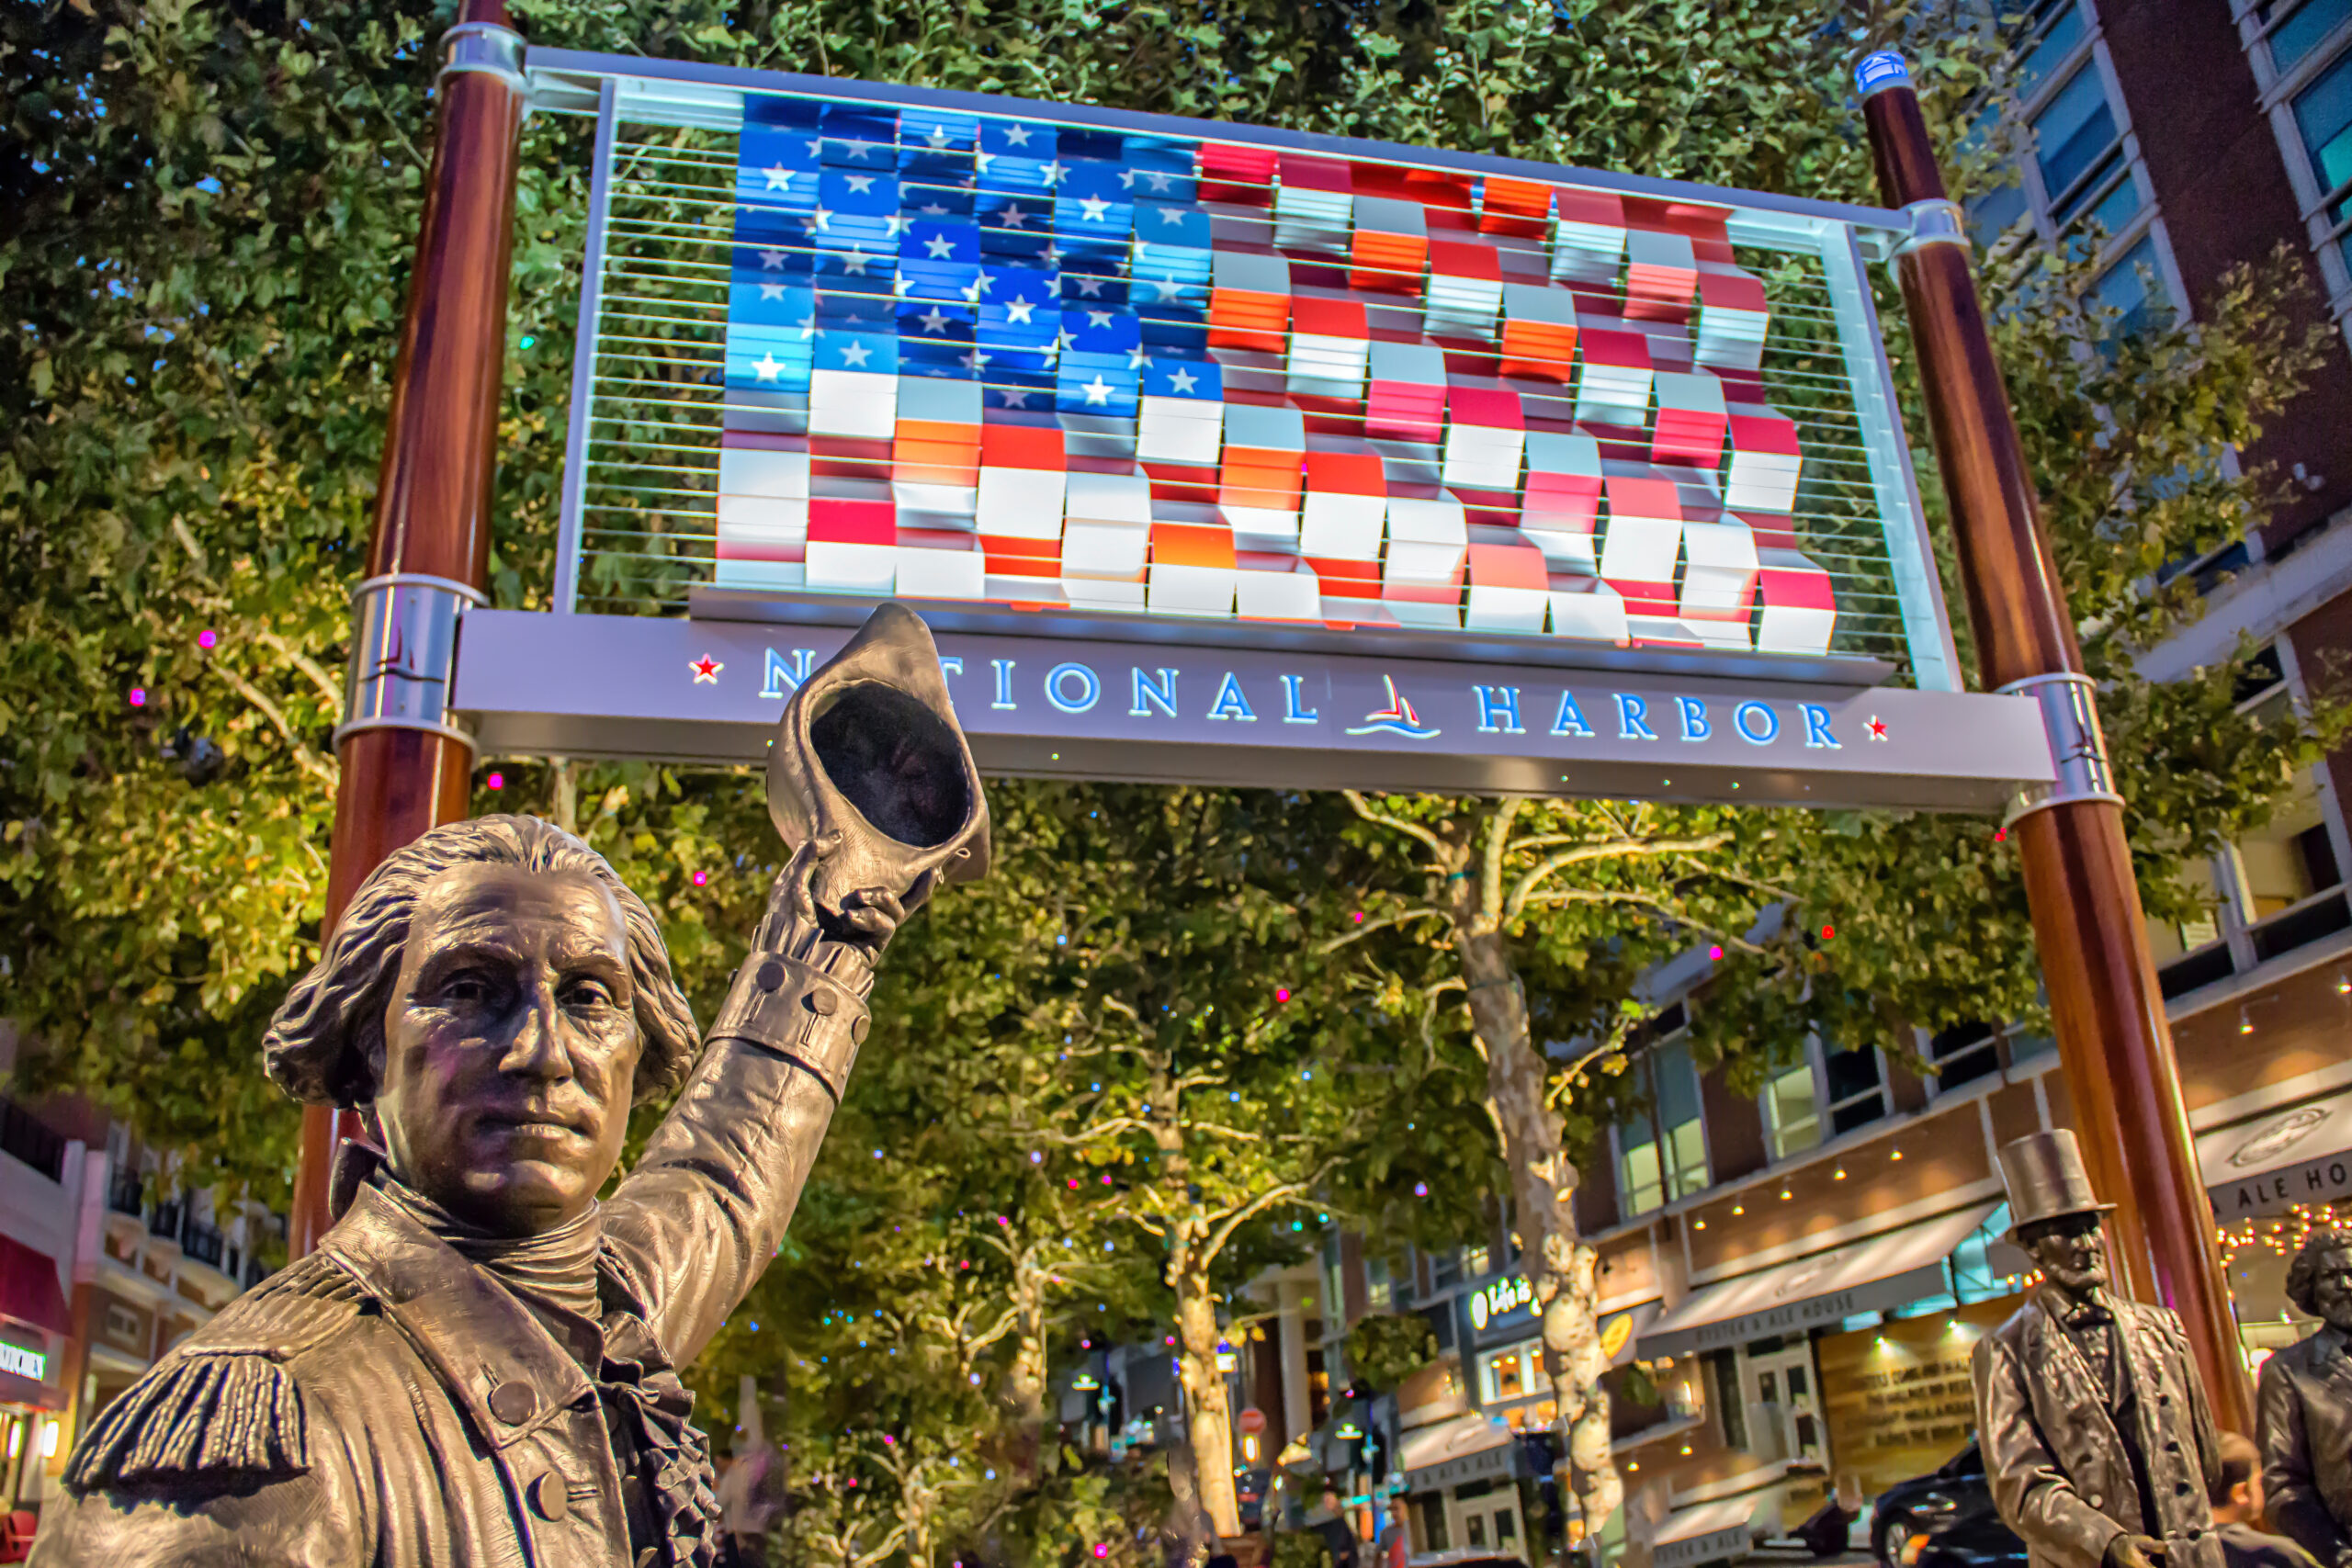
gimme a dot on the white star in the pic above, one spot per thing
(779, 178)
(1098, 318)
(980, 286)
(898, 222)
(820, 223)
(859, 148)
(771, 290)
(933, 319)
(1169, 290)
(1171, 215)
(981, 161)
(1016, 136)
(1097, 390)
(898, 286)
(1139, 360)
(1052, 253)
(940, 246)
(1018, 310)
(1159, 181)
(1054, 172)
(1096, 210)
(816, 147)
(1184, 381)
(938, 137)
(772, 261)
(975, 360)
(1013, 217)
(808, 327)
(768, 368)
(854, 263)
(1089, 284)
(933, 209)
(860, 185)
(1126, 179)
(855, 356)
(1016, 396)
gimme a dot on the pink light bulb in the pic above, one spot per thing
(206, 638)
(496, 781)
(139, 696)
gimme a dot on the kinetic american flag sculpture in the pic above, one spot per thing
(983, 358)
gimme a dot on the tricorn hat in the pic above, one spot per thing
(2044, 1175)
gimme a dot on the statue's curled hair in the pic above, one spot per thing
(2303, 1272)
(325, 1046)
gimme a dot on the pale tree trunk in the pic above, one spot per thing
(565, 803)
(1208, 1411)
(1560, 1269)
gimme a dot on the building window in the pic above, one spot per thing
(1793, 1110)
(2323, 116)
(1662, 1149)
(1512, 1373)
(2075, 138)
(1831, 1091)
(2293, 31)
(1963, 1054)
(1378, 1291)
(1476, 1263)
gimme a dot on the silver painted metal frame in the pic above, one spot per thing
(584, 352)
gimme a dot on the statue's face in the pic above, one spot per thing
(2070, 1252)
(510, 1047)
(2332, 1288)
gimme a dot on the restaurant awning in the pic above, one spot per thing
(1868, 1275)
(1704, 1533)
(28, 1289)
(1468, 1448)
(2267, 1164)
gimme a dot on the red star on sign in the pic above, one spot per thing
(706, 670)
(1878, 727)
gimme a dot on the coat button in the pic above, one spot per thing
(2094, 1500)
(514, 1403)
(821, 1003)
(547, 1497)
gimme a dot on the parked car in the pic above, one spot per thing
(1927, 1508)
(1978, 1541)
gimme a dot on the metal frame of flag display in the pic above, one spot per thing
(1058, 370)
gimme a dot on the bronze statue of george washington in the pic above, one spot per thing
(478, 1363)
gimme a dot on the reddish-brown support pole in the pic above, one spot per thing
(2113, 1044)
(406, 766)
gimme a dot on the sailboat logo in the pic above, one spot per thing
(1396, 719)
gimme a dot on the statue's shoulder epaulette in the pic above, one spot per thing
(223, 1408)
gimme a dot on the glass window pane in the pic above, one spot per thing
(2113, 212)
(2288, 858)
(2131, 288)
(1791, 1117)
(2311, 21)
(1857, 1096)
(2324, 114)
(1684, 1137)
(1641, 1179)
(1994, 213)
(2042, 55)
(2074, 131)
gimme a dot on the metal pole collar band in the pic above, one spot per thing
(1933, 222)
(2069, 705)
(485, 47)
(403, 653)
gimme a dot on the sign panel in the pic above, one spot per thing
(686, 690)
(843, 340)
(2274, 1163)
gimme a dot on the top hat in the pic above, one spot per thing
(2044, 1175)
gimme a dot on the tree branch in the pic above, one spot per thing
(1397, 824)
(1628, 847)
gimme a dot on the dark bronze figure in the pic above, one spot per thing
(478, 1365)
(2304, 1399)
(2098, 1442)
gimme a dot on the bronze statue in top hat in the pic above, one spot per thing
(478, 1364)
(2304, 1407)
(2098, 1443)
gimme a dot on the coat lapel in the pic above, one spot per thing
(468, 1328)
(2086, 1400)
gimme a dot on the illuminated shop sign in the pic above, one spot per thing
(31, 1365)
(1504, 1295)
